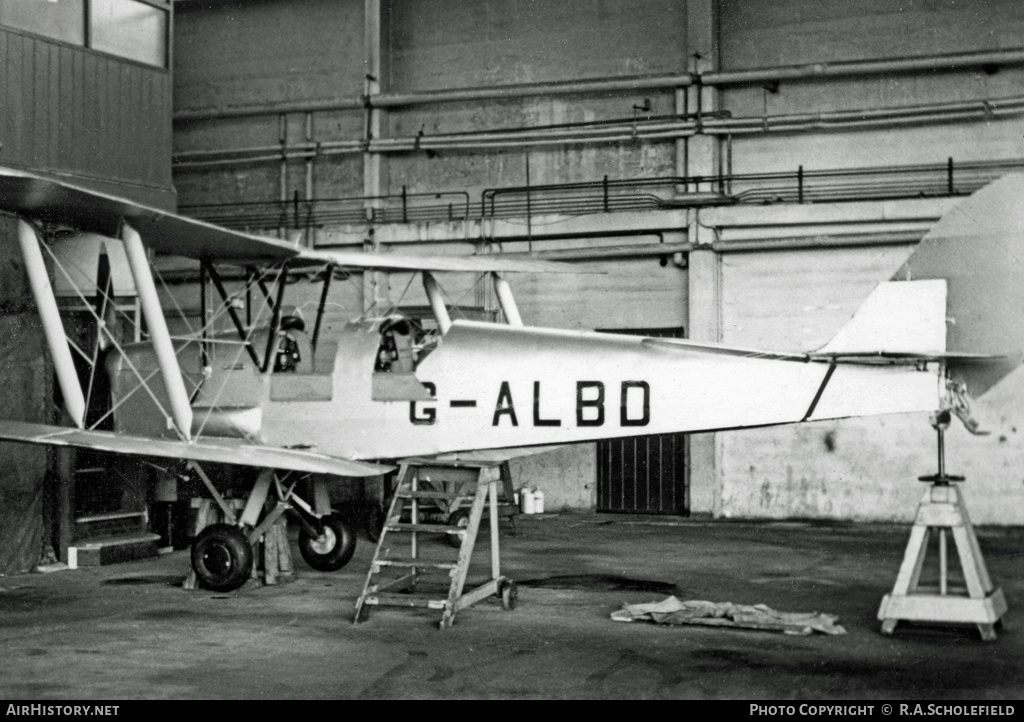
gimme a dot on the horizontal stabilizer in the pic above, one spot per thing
(891, 358)
(224, 451)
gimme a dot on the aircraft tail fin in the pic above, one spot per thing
(978, 248)
(959, 298)
(897, 319)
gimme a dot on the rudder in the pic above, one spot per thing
(978, 248)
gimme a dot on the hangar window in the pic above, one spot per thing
(130, 29)
(57, 19)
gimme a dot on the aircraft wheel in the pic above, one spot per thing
(373, 524)
(333, 548)
(509, 594)
(460, 520)
(222, 557)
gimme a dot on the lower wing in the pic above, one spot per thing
(213, 449)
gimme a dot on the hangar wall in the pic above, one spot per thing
(25, 386)
(99, 119)
(228, 97)
(85, 101)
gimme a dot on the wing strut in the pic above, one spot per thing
(506, 300)
(42, 292)
(444, 321)
(181, 410)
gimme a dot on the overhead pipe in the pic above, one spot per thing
(272, 108)
(502, 92)
(803, 243)
(869, 118)
(809, 71)
(596, 253)
(795, 243)
(722, 78)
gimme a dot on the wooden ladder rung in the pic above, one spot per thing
(451, 495)
(414, 564)
(428, 528)
(404, 600)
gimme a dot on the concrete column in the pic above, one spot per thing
(704, 279)
(376, 286)
(701, 152)
(372, 63)
(701, 157)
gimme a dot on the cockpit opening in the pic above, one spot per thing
(294, 352)
(403, 345)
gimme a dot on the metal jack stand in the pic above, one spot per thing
(942, 510)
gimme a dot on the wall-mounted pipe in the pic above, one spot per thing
(724, 78)
(795, 243)
(597, 253)
(507, 92)
(273, 108)
(803, 243)
(625, 129)
(844, 119)
(934, 63)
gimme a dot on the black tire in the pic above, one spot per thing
(373, 522)
(460, 520)
(331, 550)
(509, 595)
(222, 557)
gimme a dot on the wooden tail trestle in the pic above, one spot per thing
(942, 512)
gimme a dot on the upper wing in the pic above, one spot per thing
(226, 451)
(62, 202)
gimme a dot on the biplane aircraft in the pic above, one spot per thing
(279, 396)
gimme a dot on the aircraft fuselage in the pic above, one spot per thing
(492, 386)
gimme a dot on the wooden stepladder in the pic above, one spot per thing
(417, 584)
(942, 512)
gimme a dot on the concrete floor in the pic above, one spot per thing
(131, 632)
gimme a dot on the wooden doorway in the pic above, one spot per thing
(644, 474)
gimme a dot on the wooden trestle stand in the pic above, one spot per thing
(942, 511)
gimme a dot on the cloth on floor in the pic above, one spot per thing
(727, 614)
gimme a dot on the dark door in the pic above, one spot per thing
(644, 474)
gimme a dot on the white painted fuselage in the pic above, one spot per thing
(497, 386)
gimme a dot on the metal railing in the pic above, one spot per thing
(616, 195)
(799, 186)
